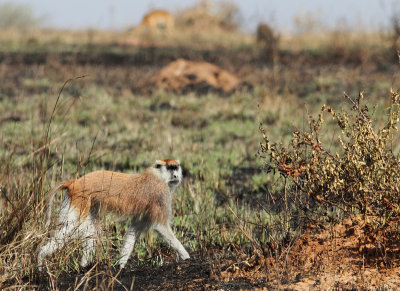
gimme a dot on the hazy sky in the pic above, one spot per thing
(120, 14)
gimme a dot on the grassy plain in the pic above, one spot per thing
(225, 212)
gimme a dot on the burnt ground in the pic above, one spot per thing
(198, 273)
(193, 274)
(132, 67)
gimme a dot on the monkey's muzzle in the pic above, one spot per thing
(173, 182)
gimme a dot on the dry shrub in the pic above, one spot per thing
(345, 46)
(361, 177)
(206, 15)
(19, 17)
(309, 22)
(20, 224)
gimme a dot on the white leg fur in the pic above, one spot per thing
(132, 235)
(69, 218)
(166, 233)
(71, 228)
(89, 234)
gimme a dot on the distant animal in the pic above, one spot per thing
(145, 198)
(268, 42)
(265, 34)
(157, 21)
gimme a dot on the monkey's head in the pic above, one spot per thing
(170, 171)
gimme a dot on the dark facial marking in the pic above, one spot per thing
(172, 167)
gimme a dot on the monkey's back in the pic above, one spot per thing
(142, 195)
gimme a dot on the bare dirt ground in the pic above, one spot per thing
(344, 257)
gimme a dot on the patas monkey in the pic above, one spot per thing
(145, 198)
(157, 20)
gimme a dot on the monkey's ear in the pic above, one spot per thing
(158, 164)
(178, 161)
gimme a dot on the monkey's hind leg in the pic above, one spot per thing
(89, 233)
(69, 219)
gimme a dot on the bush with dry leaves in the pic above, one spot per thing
(361, 176)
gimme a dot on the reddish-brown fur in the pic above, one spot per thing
(157, 19)
(141, 195)
(169, 162)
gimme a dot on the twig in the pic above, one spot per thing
(58, 99)
(365, 119)
(46, 145)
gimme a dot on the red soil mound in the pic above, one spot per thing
(346, 256)
(342, 257)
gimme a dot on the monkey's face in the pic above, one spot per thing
(170, 171)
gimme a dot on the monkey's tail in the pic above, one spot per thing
(59, 186)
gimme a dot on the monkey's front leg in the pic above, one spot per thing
(132, 235)
(166, 233)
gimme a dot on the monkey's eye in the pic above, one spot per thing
(172, 167)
